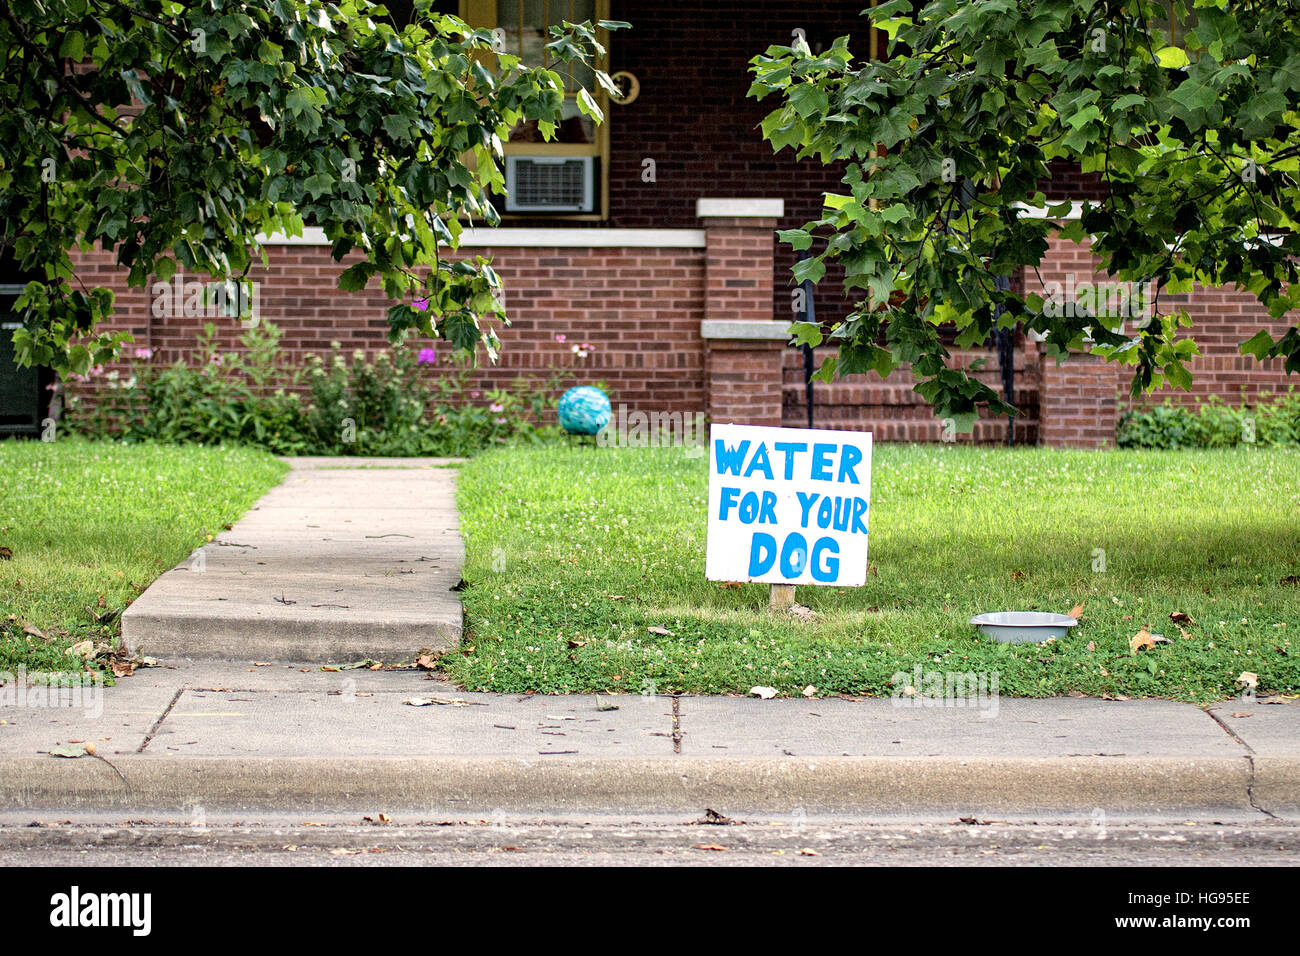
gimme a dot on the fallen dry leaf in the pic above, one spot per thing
(1144, 640)
(729, 586)
(807, 852)
(449, 701)
(5, 553)
(662, 631)
(1092, 646)
(1248, 679)
(1178, 617)
(764, 693)
(709, 846)
(1077, 611)
(1242, 714)
(810, 691)
(424, 662)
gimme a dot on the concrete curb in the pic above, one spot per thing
(481, 785)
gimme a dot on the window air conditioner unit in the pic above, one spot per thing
(550, 184)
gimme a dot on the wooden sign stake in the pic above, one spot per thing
(781, 597)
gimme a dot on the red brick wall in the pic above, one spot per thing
(1222, 318)
(640, 308)
(745, 381)
(1077, 402)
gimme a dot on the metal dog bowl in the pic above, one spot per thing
(1019, 627)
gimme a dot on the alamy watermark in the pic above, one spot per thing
(75, 690)
(219, 298)
(1123, 300)
(655, 429)
(925, 687)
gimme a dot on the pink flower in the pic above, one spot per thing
(421, 305)
(144, 353)
(496, 408)
(559, 338)
(426, 357)
(475, 394)
(501, 421)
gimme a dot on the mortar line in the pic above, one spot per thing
(161, 717)
(1250, 763)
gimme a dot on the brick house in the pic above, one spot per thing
(653, 238)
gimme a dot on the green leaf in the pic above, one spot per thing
(807, 99)
(1172, 58)
(1259, 345)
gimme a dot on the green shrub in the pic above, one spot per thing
(402, 403)
(1213, 424)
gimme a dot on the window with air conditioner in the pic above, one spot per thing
(565, 176)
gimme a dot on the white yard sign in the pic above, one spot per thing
(788, 505)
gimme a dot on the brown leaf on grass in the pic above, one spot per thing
(1077, 611)
(32, 630)
(1178, 617)
(662, 631)
(1143, 640)
(1017, 575)
(1184, 633)
(810, 691)
(1290, 579)
(1092, 646)
(729, 585)
(6, 554)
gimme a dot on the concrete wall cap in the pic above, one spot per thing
(741, 329)
(740, 208)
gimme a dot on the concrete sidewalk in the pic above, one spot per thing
(346, 559)
(239, 737)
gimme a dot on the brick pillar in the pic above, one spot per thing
(1077, 405)
(744, 345)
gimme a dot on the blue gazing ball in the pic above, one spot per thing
(584, 410)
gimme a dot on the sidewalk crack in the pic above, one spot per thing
(677, 727)
(1250, 762)
(161, 717)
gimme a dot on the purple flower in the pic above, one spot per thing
(426, 357)
(144, 353)
(496, 408)
(421, 305)
(501, 421)
(559, 338)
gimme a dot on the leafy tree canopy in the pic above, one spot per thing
(173, 134)
(1194, 131)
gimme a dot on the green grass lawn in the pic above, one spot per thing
(90, 525)
(573, 553)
